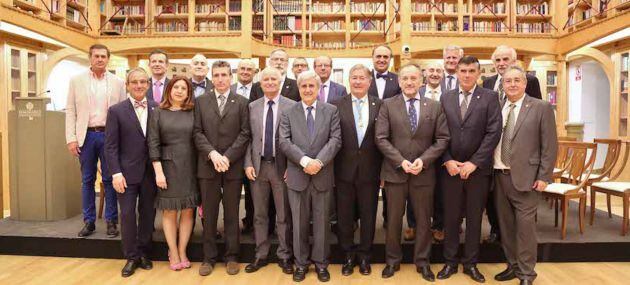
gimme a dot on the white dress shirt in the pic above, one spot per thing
(198, 91)
(498, 164)
(248, 91)
(98, 100)
(141, 113)
(274, 107)
(497, 83)
(380, 83)
(434, 94)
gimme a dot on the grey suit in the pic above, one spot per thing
(269, 178)
(397, 143)
(535, 138)
(305, 189)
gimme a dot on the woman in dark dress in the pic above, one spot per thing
(172, 151)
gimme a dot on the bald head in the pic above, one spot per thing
(199, 67)
(245, 71)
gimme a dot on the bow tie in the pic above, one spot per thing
(381, 75)
(141, 104)
(201, 84)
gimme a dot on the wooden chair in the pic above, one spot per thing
(615, 188)
(569, 139)
(562, 159)
(579, 171)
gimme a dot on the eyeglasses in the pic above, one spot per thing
(137, 82)
(280, 59)
(322, 65)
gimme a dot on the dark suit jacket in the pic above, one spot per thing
(397, 143)
(289, 90)
(392, 88)
(534, 144)
(353, 162)
(150, 90)
(228, 134)
(474, 137)
(532, 89)
(295, 143)
(335, 92)
(126, 149)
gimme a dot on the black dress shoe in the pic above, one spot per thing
(87, 229)
(426, 273)
(493, 238)
(145, 263)
(112, 231)
(364, 267)
(300, 274)
(257, 264)
(247, 229)
(505, 275)
(447, 271)
(389, 270)
(129, 268)
(348, 267)
(526, 282)
(474, 273)
(286, 265)
(322, 274)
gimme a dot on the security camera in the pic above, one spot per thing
(406, 49)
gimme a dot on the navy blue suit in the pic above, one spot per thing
(126, 152)
(335, 92)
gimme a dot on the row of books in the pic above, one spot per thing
(171, 26)
(234, 23)
(529, 28)
(55, 6)
(532, 9)
(551, 78)
(258, 6)
(258, 23)
(446, 26)
(235, 6)
(287, 40)
(131, 10)
(210, 26)
(421, 26)
(330, 45)
(175, 8)
(437, 7)
(333, 7)
(625, 61)
(328, 26)
(369, 25)
(483, 8)
(551, 97)
(130, 28)
(287, 5)
(367, 7)
(488, 26)
(73, 15)
(287, 23)
(209, 8)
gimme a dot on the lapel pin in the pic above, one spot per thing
(477, 96)
(373, 104)
(232, 101)
(527, 106)
(425, 103)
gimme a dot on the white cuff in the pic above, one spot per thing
(305, 161)
(117, 175)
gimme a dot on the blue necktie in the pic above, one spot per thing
(358, 120)
(413, 117)
(310, 122)
(268, 150)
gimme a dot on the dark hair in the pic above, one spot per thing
(469, 59)
(98, 46)
(158, 51)
(221, 63)
(188, 105)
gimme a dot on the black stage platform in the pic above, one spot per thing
(600, 242)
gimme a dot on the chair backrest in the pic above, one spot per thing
(568, 139)
(613, 147)
(621, 163)
(562, 157)
(579, 165)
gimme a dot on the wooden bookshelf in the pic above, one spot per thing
(534, 16)
(124, 17)
(76, 14)
(623, 77)
(24, 73)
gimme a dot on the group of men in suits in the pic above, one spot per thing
(313, 152)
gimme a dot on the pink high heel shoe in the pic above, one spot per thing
(174, 267)
(185, 264)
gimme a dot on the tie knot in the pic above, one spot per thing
(270, 103)
(221, 97)
(512, 105)
(158, 83)
(381, 75)
(309, 108)
(412, 100)
(140, 104)
(200, 84)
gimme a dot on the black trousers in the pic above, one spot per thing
(137, 230)
(491, 212)
(213, 192)
(473, 194)
(352, 198)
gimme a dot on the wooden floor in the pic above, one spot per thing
(57, 270)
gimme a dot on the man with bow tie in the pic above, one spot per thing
(384, 85)
(199, 70)
(127, 153)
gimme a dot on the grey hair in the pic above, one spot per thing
(307, 75)
(504, 47)
(246, 62)
(410, 65)
(521, 71)
(279, 50)
(270, 71)
(453, 47)
(322, 56)
(136, 70)
(361, 67)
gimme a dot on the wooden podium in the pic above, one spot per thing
(45, 180)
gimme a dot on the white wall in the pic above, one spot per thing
(58, 82)
(589, 102)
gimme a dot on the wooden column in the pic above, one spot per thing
(132, 61)
(246, 29)
(562, 95)
(405, 33)
(93, 17)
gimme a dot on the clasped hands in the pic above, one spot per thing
(221, 162)
(313, 167)
(464, 169)
(412, 168)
